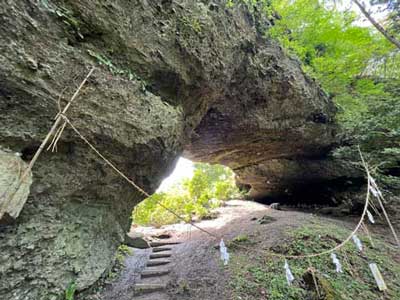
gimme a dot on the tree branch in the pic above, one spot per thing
(378, 26)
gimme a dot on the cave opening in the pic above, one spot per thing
(313, 194)
(183, 169)
(190, 193)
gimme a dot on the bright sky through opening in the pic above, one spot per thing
(184, 169)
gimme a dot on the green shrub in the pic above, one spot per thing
(357, 67)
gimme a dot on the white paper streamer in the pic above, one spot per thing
(378, 277)
(370, 217)
(224, 252)
(372, 180)
(289, 275)
(357, 242)
(374, 188)
(337, 263)
(374, 191)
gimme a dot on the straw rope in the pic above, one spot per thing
(53, 129)
(57, 131)
(263, 251)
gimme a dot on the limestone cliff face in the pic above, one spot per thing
(164, 69)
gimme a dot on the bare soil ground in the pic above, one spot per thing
(196, 270)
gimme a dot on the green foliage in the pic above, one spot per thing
(105, 61)
(240, 240)
(358, 68)
(191, 24)
(377, 126)
(332, 47)
(70, 291)
(355, 65)
(119, 263)
(392, 8)
(377, 130)
(257, 277)
(122, 251)
(65, 15)
(192, 198)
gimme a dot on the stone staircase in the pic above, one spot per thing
(154, 279)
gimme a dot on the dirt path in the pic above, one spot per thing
(198, 272)
(196, 268)
(192, 268)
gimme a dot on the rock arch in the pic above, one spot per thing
(175, 76)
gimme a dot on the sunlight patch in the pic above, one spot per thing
(183, 170)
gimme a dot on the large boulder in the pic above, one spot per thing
(164, 68)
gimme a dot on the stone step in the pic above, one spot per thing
(160, 244)
(149, 272)
(157, 262)
(153, 296)
(159, 255)
(161, 249)
(146, 288)
(155, 280)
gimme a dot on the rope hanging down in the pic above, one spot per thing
(262, 251)
(127, 178)
(372, 187)
(54, 128)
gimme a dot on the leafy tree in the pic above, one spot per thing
(332, 48)
(377, 130)
(195, 197)
(390, 37)
(357, 66)
(205, 179)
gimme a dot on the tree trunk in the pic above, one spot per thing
(378, 26)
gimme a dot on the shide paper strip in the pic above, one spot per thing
(370, 217)
(224, 252)
(337, 263)
(358, 243)
(378, 277)
(289, 275)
